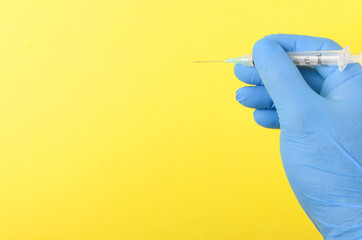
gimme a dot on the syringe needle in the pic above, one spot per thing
(208, 61)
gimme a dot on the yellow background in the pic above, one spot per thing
(109, 131)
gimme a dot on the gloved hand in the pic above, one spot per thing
(319, 112)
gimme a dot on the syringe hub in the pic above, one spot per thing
(346, 58)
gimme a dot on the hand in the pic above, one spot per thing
(319, 112)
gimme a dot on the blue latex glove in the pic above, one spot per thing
(319, 112)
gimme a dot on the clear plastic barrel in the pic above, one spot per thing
(330, 58)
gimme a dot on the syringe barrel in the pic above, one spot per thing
(315, 58)
(299, 58)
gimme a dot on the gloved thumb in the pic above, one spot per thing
(280, 76)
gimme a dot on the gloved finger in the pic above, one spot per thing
(267, 118)
(258, 97)
(297, 43)
(247, 75)
(254, 97)
(281, 77)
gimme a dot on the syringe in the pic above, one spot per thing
(340, 58)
